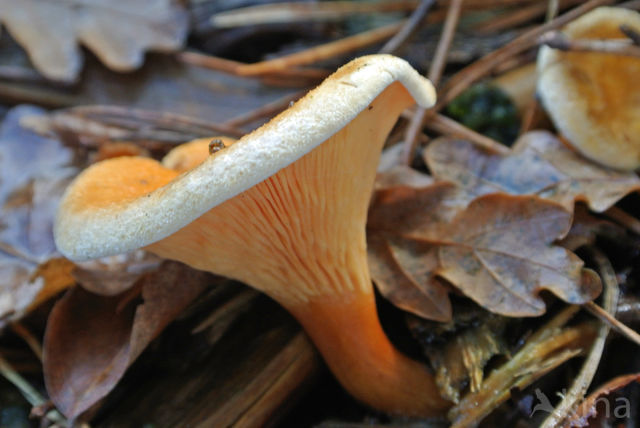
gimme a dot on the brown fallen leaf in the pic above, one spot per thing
(538, 165)
(588, 409)
(91, 340)
(403, 273)
(117, 31)
(34, 171)
(498, 251)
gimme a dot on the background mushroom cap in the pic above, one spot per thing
(594, 98)
(136, 217)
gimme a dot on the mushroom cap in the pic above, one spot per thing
(594, 98)
(153, 202)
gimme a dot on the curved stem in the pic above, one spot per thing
(348, 334)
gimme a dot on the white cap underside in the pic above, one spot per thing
(255, 157)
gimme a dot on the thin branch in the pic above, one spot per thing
(614, 323)
(558, 40)
(322, 52)
(267, 110)
(585, 377)
(409, 28)
(479, 69)
(435, 72)
(623, 218)
(447, 126)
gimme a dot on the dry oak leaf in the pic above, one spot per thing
(117, 31)
(34, 171)
(498, 251)
(403, 269)
(91, 340)
(539, 164)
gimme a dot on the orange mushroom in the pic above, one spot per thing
(283, 210)
(593, 98)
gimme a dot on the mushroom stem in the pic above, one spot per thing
(349, 336)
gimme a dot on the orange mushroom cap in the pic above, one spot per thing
(593, 98)
(283, 210)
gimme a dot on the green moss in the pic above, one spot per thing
(487, 110)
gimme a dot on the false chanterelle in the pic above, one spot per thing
(283, 209)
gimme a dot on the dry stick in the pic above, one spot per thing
(518, 17)
(558, 40)
(267, 110)
(614, 323)
(624, 218)
(293, 12)
(447, 126)
(119, 114)
(479, 69)
(322, 52)
(585, 377)
(29, 392)
(409, 28)
(231, 67)
(552, 10)
(435, 72)
(630, 33)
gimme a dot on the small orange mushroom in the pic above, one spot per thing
(593, 98)
(283, 210)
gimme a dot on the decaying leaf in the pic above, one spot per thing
(498, 250)
(588, 409)
(499, 253)
(538, 165)
(403, 272)
(117, 31)
(34, 171)
(91, 340)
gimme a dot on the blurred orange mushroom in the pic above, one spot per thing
(593, 98)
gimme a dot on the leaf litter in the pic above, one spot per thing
(486, 226)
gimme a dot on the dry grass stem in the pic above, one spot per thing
(582, 381)
(447, 126)
(435, 72)
(409, 28)
(29, 338)
(485, 65)
(322, 52)
(623, 218)
(558, 40)
(267, 111)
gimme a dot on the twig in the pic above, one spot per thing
(267, 110)
(409, 27)
(614, 323)
(229, 66)
(29, 392)
(630, 33)
(585, 377)
(623, 218)
(435, 72)
(289, 12)
(552, 10)
(479, 69)
(322, 52)
(447, 126)
(29, 338)
(519, 16)
(558, 40)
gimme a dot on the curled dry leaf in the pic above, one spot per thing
(117, 31)
(91, 340)
(34, 171)
(538, 165)
(589, 407)
(498, 250)
(402, 269)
